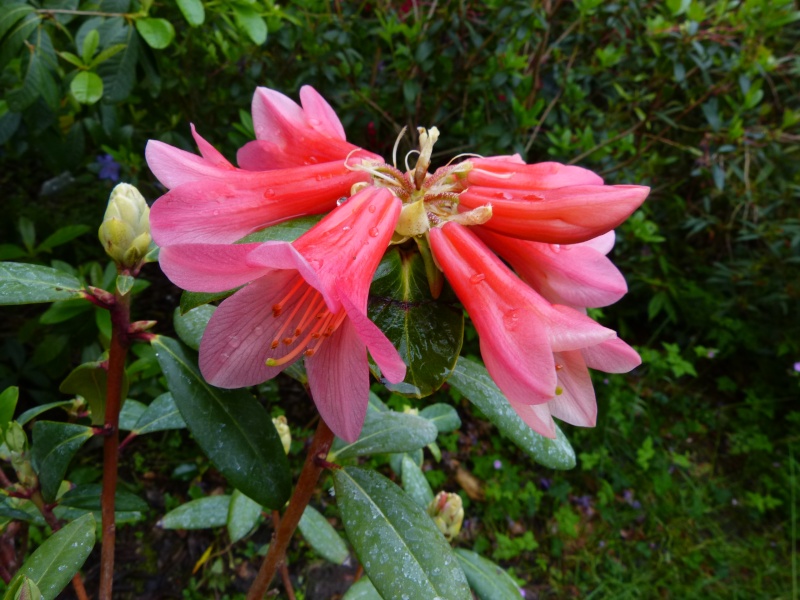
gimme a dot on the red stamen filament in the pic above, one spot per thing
(278, 308)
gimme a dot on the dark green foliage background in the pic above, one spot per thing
(685, 488)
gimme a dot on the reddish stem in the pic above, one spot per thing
(297, 504)
(120, 323)
(287, 581)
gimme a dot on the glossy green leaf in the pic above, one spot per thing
(231, 427)
(387, 432)
(415, 483)
(158, 33)
(21, 283)
(193, 11)
(402, 551)
(131, 412)
(427, 332)
(203, 513)
(362, 590)
(191, 300)
(8, 403)
(162, 414)
(54, 445)
(487, 580)
(55, 562)
(18, 30)
(90, 380)
(322, 537)
(34, 412)
(251, 22)
(11, 14)
(8, 511)
(87, 497)
(396, 460)
(90, 43)
(27, 590)
(125, 284)
(444, 416)
(288, 231)
(473, 381)
(62, 236)
(243, 514)
(87, 87)
(64, 310)
(118, 72)
(191, 325)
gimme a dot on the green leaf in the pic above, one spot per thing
(71, 58)
(12, 13)
(53, 565)
(8, 511)
(288, 231)
(162, 414)
(125, 284)
(231, 427)
(106, 54)
(251, 22)
(402, 551)
(64, 310)
(191, 325)
(87, 497)
(34, 412)
(8, 403)
(90, 43)
(191, 300)
(131, 412)
(415, 483)
(27, 231)
(193, 11)
(62, 236)
(87, 87)
(203, 513)
(158, 33)
(322, 537)
(243, 514)
(10, 251)
(19, 28)
(90, 380)
(473, 381)
(427, 332)
(387, 432)
(27, 590)
(489, 581)
(54, 445)
(119, 72)
(362, 590)
(28, 284)
(444, 416)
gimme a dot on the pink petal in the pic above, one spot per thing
(263, 155)
(537, 417)
(319, 113)
(210, 154)
(275, 116)
(570, 329)
(173, 167)
(602, 243)
(509, 173)
(226, 208)
(566, 215)
(236, 343)
(576, 404)
(575, 275)
(207, 268)
(393, 369)
(612, 356)
(338, 376)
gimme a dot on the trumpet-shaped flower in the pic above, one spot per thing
(305, 299)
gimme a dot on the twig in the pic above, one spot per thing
(287, 582)
(120, 322)
(297, 504)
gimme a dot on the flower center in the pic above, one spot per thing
(306, 324)
(429, 199)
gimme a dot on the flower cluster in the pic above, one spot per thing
(551, 223)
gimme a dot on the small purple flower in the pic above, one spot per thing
(797, 367)
(545, 483)
(523, 593)
(498, 464)
(602, 544)
(109, 168)
(711, 353)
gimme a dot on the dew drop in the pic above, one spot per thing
(532, 197)
(215, 213)
(371, 208)
(477, 278)
(346, 228)
(374, 232)
(312, 160)
(555, 247)
(269, 193)
(316, 264)
(314, 122)
(234, 342)
(259, 330)
(341, 201)
(511, 319)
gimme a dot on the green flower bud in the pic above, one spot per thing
(125, 231)
(447, 511)
(284, 432)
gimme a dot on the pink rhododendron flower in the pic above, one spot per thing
(304, 299)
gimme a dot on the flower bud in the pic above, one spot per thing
(17, 444)
(284, 432)
(447, 511)
(125, 231)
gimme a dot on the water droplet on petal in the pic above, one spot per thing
(259, 330)
(346, 228)
(234, 342)
(511, 319)
(477, 278)
(374, 232)
(313, 122)
(371, 208)
(555, 247)
(341, 201)
(215, 213)
(269, 193)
